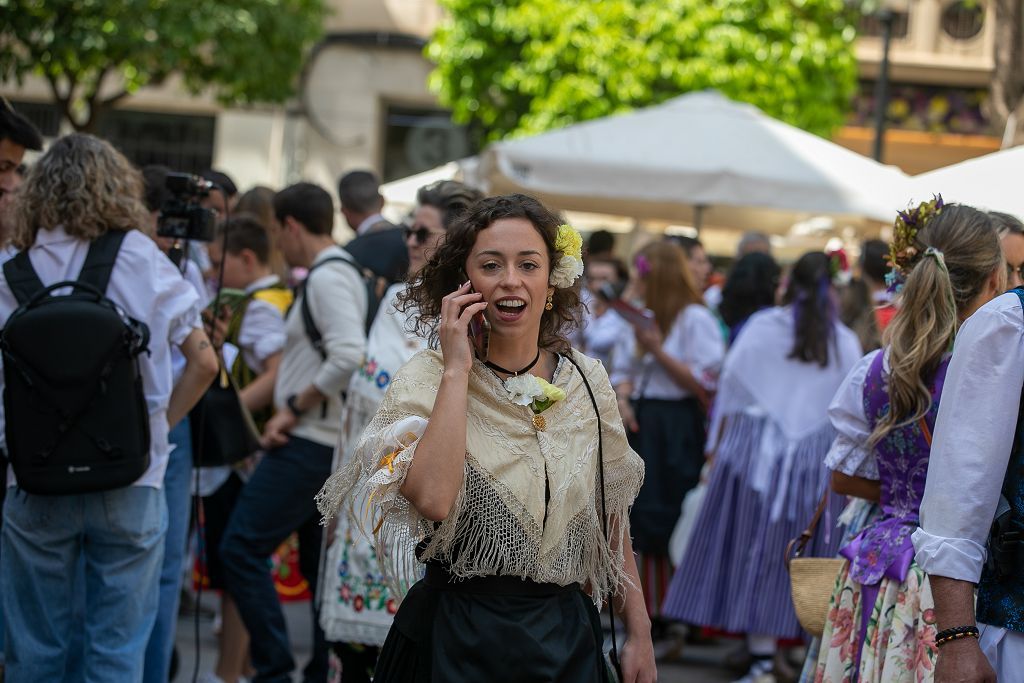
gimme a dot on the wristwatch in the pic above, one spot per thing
(291, 403)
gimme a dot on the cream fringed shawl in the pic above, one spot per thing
(499, 523)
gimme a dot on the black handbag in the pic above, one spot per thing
(611, 657)
(223, 431)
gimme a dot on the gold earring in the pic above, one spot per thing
(548, 306)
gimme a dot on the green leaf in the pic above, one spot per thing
(244, 50)
(519, 67)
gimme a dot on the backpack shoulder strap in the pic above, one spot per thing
(99, 262)
(315, 338)
(22, 277)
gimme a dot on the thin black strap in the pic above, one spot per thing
(99, 261)
(316, 339)
(22, 277)
(604, 504)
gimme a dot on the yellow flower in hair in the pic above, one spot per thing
(569, 241)
(569, 266)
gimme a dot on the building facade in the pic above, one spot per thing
(363, 101)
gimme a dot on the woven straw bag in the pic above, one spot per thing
(811, 579)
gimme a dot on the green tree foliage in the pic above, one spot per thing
(519, 67)
(94, 53)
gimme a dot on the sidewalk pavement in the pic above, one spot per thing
(698, 664)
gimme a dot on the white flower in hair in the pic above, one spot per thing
(569, 268)
(524, 389)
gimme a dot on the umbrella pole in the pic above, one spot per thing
(698, 217)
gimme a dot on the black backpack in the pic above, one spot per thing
(77, 420)
(375, 287)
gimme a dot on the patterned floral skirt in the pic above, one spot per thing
(899, 640)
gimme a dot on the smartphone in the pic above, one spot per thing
(480, 334)
(479, 330)
(638, 317)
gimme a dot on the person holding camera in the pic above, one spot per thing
(178, 474)
(325, 341)
(79, 199)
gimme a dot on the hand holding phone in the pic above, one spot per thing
(456, 326)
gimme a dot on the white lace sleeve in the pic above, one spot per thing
(368, 487)
(850, 453)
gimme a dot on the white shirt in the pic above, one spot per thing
(695, 339)
(368, 223)
(849, 453)
(972, 441)
(194, 277)
(970, 453)
(760, 378)
(601, 333)
(260, 336)
(337, 301)
(149, 288)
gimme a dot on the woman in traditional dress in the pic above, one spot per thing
(486, 456)
(356, 603)
(769, 436)
(881, 623)
(664, 370)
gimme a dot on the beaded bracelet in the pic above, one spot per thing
(955, 633)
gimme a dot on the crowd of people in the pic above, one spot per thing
(505, 430)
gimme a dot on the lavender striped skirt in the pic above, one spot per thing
(763, 492)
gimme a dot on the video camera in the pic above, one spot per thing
(181, 215)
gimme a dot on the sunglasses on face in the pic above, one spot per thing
(421, 233)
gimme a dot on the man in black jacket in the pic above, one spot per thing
(379, 245)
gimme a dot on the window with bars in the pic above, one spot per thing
(963, 19)
(417, 139)
(44, 115)
(181, 142)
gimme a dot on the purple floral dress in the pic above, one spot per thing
(881, 624)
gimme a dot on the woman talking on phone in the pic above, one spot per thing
(503, 460)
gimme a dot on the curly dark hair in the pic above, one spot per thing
(445, 271)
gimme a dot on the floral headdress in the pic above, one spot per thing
(569, 267)
(904, 252)
(838, 266)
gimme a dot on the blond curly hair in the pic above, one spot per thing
(83, 184)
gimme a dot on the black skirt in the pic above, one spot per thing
(671, 443)
(496, 629)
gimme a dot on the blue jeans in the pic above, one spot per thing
(276, 501)
(120, 535)
(176, 491)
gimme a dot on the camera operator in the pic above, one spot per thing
(178, 476)
(79, 191)
(278, 499)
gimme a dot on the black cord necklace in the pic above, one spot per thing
(514, 373)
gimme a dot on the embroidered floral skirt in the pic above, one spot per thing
(899, 640)
(470, 632)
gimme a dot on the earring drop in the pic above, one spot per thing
(548, 306)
